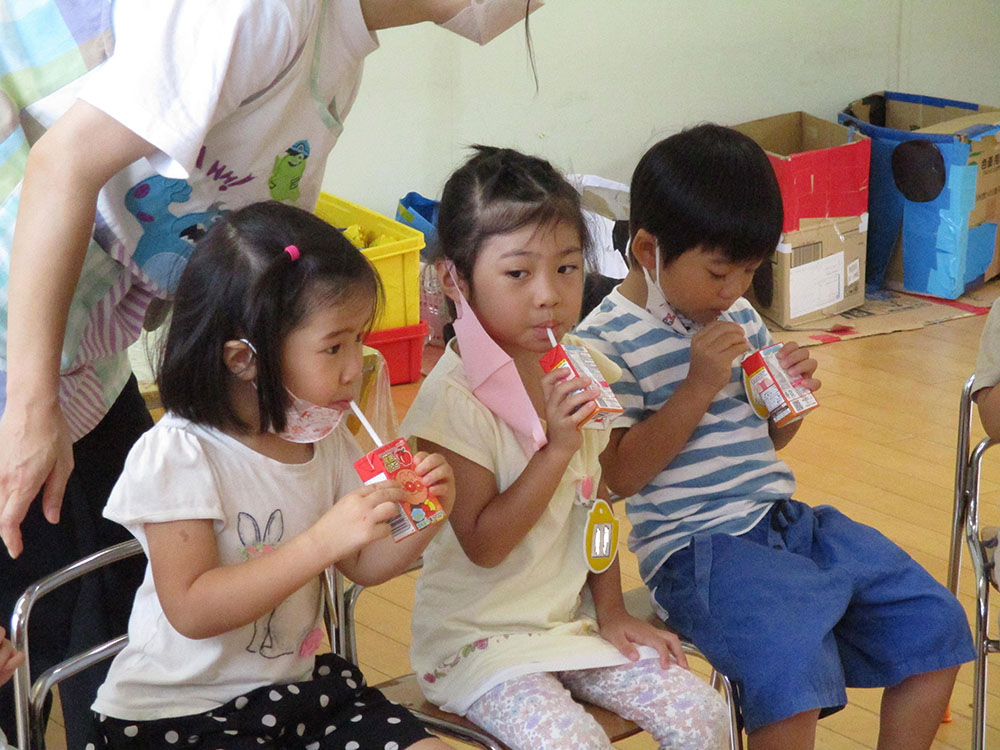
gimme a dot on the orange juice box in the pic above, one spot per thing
(580, 364)
(771, 390)
(394, 461)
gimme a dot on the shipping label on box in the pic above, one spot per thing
(816, 272)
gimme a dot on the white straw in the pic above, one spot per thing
(365, 423)
(552, 338)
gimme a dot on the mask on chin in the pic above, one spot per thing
(656, 301)
(305, 422)
(484, 20)
(493, 376)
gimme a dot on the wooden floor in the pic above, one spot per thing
(880, 448)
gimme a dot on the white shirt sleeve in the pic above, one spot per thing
(180, 67)
(167, 477)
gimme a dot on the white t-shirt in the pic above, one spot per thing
(475, 627)
(178, 471)
(244, 99)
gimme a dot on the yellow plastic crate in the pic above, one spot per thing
(397, 260)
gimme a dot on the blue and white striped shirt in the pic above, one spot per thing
(728, 475)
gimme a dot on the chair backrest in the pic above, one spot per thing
(29, 697)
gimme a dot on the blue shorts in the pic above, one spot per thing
(805, 604)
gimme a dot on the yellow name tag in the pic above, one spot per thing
(601, 537)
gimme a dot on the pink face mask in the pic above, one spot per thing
(493, 376)
(305, 422)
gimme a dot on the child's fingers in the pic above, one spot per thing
(804, 367)
(432, 468)
(383, 513)
(810, 384)
(575, 391)
(558, 381)
(673, 644)
(792, 354)
(582, 396)
(389, 491)
(438, 481)
(621, 642)
(552, 377)
(425, 464)
(721, 333)
(567, 395)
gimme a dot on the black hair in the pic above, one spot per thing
(707, 186)
(241, 283)
(498, 191)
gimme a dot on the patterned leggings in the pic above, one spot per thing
(538, 711)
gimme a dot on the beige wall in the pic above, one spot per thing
(617, 75)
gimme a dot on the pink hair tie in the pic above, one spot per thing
(293, 252)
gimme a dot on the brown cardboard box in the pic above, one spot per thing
(821, 166)
(816, 272)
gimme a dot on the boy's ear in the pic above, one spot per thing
(644, 250)
(448, 283)
(240, 359)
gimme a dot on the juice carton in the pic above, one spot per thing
(580, 364)
(771, 391)
(394, 461)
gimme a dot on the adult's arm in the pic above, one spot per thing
(66, 170)
(386, 14)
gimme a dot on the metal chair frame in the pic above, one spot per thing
(965, 524)
(345, 598)
(29, 698)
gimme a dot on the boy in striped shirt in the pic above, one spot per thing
(793, 603)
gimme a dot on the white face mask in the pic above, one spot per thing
(305, 422)
(484, 20)
(656, 300)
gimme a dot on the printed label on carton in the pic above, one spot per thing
(580, 364)
(771, 391)
(394, 461)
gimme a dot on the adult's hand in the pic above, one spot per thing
(47, 254)
(36, 452)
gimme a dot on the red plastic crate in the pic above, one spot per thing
(403, 349)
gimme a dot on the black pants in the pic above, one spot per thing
(96, 607)
(332, 711)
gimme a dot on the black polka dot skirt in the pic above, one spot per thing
(334, 710)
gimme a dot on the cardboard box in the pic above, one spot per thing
(816, 272)
(822, 167)
(935, 182)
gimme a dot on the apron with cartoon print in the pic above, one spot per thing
(273, 145)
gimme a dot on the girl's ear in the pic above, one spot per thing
(240, 359)
(448, 283)
(644, 250)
